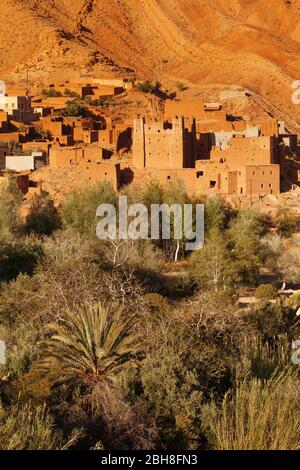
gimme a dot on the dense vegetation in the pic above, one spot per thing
(112, 345)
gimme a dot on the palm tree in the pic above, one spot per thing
(91, 343)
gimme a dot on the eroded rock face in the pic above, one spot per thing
(253, 43)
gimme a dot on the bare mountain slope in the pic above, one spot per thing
(251, 43)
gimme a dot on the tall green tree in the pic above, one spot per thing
(244, 235)
(79, 210)
(212, 266)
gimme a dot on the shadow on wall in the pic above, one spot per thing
(125, 140)
(127, 176)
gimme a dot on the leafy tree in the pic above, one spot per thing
(153, 193)
(174, 193)
(91, 343)
(79, 210)
(245, 233)
(212, 266)
(218, 214)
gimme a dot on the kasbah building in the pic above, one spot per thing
(192, 141)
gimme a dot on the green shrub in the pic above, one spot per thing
(28, 427)
(17, 258)
(266, 292)
(43, 218)
(286, 222)
(294, 301)
(71, 94)
(172, 391)
(147, 87)
(181, 86)
(39, 133)
(256, 415)
(73, 109)
(51, 93)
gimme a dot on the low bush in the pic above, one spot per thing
(266, 292)
(256, 415)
